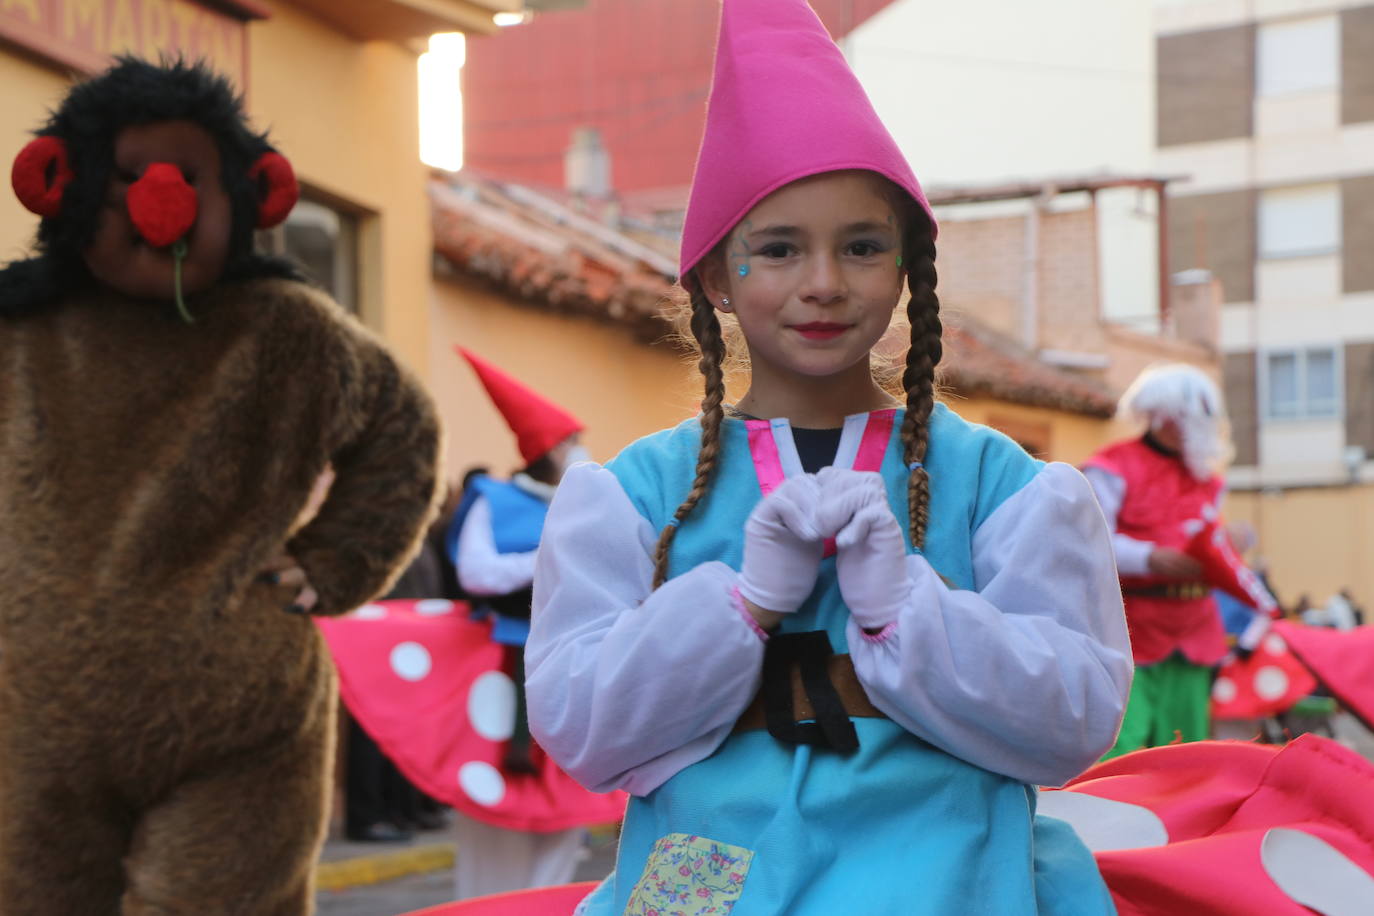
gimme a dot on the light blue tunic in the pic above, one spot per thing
(898, 827)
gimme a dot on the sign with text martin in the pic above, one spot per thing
(85, 34)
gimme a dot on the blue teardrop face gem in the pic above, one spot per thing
(744, 270)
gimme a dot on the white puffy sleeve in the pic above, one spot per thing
(1132, 554)
(482, 569)
(1027, 675)
(628, 685)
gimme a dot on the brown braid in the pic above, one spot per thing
(923, 311)
(711, 342)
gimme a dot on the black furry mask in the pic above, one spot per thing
(135, 92)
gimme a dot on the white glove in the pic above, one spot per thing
(782, 547)
(871, 561)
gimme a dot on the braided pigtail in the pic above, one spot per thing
(923, 311)
(711, 342)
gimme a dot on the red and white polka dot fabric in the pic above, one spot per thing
(1267, 683)
(1229, 828)
(429, 686)
(1343, 660)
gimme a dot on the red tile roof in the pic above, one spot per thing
(544, 252)
(979, 361)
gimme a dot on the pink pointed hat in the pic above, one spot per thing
(784, 105)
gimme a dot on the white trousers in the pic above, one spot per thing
(492, 860)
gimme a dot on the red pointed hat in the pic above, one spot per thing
(784, 105)
(538, 424)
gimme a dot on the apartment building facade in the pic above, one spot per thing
(1265, 109)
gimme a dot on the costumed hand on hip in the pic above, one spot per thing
(283, 569)
(782, 550)
(871, 552)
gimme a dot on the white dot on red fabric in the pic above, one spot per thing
(434, 607)
(1224, 690)
(410, 661)
(1274, 644)
(482, 782)
(1104, 824)
(1316, 874)
(370, 612)
(1271, 683)
(491, 706)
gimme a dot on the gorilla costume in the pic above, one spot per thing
(168, 401)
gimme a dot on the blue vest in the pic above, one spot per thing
(517, 524)
(517, 517)
(898, 827)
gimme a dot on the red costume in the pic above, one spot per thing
(1163, 505)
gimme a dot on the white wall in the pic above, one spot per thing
(982, 91)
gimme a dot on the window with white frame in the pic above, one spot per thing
(1302, 384)
(1300, 222)
(1301, 55)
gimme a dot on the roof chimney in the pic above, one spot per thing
(587, 165)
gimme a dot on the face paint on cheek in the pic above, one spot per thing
(739, 249)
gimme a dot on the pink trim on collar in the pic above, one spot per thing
(764, 450)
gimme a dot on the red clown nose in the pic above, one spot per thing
(162, 205)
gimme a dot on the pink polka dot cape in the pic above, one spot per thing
(1266, 683)
(428, 684)
(1229, 828)
(1343, 660)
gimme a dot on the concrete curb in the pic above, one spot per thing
(387, 866)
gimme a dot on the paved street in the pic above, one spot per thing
(400, 896)
(422, 890)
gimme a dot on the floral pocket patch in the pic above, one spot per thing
(690, 876)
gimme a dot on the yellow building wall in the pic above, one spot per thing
(347, 115)
(28, 90)
(1072, 437)
(1315, 541)
(617, 386)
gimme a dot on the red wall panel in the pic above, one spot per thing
(638, 70)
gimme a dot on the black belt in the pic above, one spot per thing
(808, 695)
(1172, 591)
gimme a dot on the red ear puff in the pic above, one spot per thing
(41, 173)
(277, 188)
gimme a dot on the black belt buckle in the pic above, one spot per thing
(810, 652)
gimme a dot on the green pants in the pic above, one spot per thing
(1170, 701)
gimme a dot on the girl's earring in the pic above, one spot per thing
(725, 303)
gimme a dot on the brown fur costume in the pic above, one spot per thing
(165, 725)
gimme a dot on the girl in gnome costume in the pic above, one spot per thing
(493, 539)
(829, 641)
(1155, 490)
